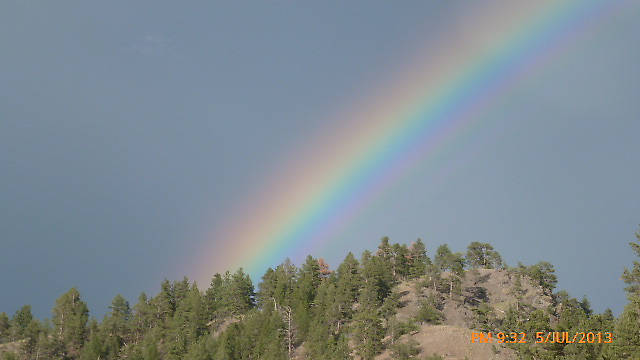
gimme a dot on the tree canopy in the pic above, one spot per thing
(342, 313)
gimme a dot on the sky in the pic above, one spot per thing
(129, 132)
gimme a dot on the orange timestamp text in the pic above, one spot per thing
(543, 337)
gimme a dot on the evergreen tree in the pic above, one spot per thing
(543, 274)
(384, 250)
(5, 327)
(517, 290)
(214, 297)
(70, 316)
(180, 291)
(165, 302)
(307, 283)
(204, 349)
(9, 356)
(47, 346)
(433, 276)
(20, 322)
(242, 292)
(443, 257)
(326, 311)
(151, 352)
(482, 255)
(631, 277)
(627, 341)
(367, 333)
(349, 279)
(377, 280)
(453, 263)
(400, 262)
(418, 259)
(406, 351)
(388, 309)
(187, 324)
(117, 323)
(96, 347)
(333, 306)
(143, 318)
(319, 339)
(429, 313)
(278, 285)
(30, 338)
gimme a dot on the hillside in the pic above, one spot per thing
(451, 339)
(396, 303)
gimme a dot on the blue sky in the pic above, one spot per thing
(127, 130)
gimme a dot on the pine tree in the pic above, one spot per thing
(631, 277)
(349, 279)
(278, 285)
(627, 341)
(30, 339)
(187, 324)
(377, 280)
(543, 273)
(333, 306)
(433, 276)
(96, 347)
(340, 349)
(143, 318)
(20, 322)
(429, 313)
(406, 351)
(517, 290)
(48, 347)
(388, 309)
(180, 290)
(482, 255)
(5, 327)
(384, 250)
(418, 259)
(213, 298)
(267, 290)
(204, 349)
(367, 333)
(400, 261)
(165, 302)
(117, 323)
(443, 257)
(319, 339)
(307, 283)
(241, 293)
(151, 352)
(70, 316)
(453, 263)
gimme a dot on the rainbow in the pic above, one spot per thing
(334, 175)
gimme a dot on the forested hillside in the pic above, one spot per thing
(397, 302)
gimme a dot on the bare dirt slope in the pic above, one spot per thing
(12, 347)
(453, 343)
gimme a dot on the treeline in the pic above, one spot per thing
(331, 314)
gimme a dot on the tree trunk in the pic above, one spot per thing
(289, 333)
(451, 287)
